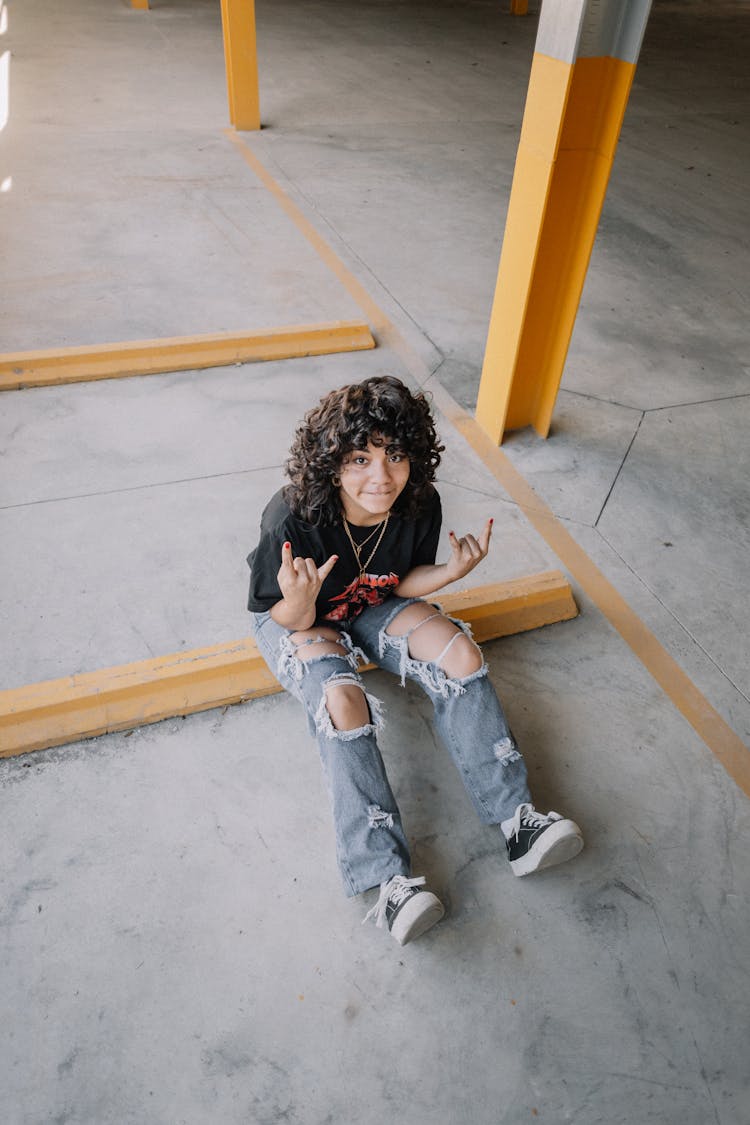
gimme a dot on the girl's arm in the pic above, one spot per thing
(466, 553)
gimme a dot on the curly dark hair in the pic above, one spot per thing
(381, 410)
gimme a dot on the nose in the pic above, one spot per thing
(380, 471)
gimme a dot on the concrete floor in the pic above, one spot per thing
(175, 946)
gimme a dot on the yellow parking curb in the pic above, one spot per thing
(56, 712)
(178, 353)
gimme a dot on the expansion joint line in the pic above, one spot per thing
(617, 474)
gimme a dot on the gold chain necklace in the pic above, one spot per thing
(361, 546)
(358, 549)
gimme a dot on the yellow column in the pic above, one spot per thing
(142, 4)
(240, 54)
(581, 74)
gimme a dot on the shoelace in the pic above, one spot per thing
(527, 814)
(395, 890)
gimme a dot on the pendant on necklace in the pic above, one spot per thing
(358, 549)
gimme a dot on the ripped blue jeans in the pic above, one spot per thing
(371, 844)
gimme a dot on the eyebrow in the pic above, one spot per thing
(390, 447)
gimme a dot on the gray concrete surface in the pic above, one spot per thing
(174, 944)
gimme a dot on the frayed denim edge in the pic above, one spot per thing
(323, 723)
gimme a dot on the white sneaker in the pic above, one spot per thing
(535, 841)
(406, 908)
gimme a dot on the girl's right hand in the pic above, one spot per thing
(468, 552)
(300, 579)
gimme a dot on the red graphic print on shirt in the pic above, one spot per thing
(370, 590)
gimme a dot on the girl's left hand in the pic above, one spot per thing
(468, 551)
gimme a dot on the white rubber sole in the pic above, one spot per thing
(417, 916)
(561, 841)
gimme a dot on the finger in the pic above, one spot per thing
(308, 568)
(456, 544)
(484, 538)
(464, 547)
(286, 556)
(327, 567)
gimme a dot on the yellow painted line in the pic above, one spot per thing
(54, 712)
(718, 736)
(179, 353)
(375, 315)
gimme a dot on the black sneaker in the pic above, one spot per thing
(535, 841)
(406, 908)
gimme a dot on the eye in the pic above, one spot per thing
(397, 458)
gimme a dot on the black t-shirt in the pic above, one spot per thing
(406, 543)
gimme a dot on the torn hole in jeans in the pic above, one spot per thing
(506, 751)
(290, 664)
(377, 818)
(429, 672)
(323, 723)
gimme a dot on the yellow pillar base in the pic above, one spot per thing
(67, 710)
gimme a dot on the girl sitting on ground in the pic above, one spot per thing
(346, 556)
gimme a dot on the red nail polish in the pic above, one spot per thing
(288, 546)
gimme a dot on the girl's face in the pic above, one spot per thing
(372, 479)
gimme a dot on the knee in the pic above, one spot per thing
(346, 706)
(432, 637)
(346, 710)
(462, 659)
